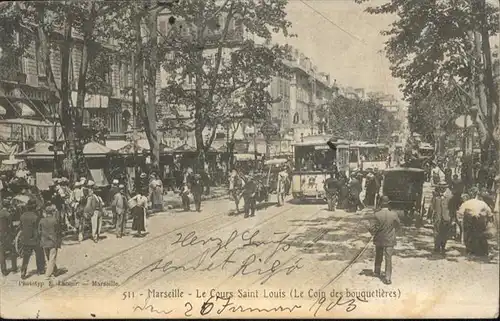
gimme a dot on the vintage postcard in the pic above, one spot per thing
(249, 159)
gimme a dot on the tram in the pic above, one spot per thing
(314, 158)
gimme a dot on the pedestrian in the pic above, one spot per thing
(441, 218)
(93, 209)
(112, 191)
(197, 191)
(383, 230)
(331, 187)
(142, 183)
(156, 193)
(355, 189)
(235, 188)
(50, 240)
(372, 189)
(7, 250)
(281, 189)
(475, 214)
(138, 206)
(119, 208)
(249, 194)
(30, 239)
(186, 196)
(343, 201)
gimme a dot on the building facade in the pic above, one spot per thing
(301, 94)
(27, 104)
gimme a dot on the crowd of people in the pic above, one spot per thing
(41, 219)
(344, 192)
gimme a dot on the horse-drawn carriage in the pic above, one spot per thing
(404, 188)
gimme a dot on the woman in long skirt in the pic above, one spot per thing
(138, 212)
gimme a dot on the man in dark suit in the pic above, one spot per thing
(197, 190)
(441, 217)
(50, 240)
(249, 193)
(30, 238)
(383, 230)
(331, 187)
(6, 234)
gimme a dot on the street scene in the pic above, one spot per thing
(249, 159)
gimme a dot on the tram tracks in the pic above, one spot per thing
(112, 267)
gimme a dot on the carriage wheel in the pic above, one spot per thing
(18, 244)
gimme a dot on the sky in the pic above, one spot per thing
(353, 56)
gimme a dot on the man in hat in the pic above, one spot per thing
(372, 188)
(197, 190)
(441, 217)
(30, 239)
(6, 235)
(249, 194)
(50, 240)
(119, 207)
(383, 229)
(93, 209)
(77, 202)
(331, 187)
(112, 191)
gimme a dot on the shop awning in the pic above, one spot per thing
(116, 145)
(40, 151)
(94, 148)
(143, 144)
(244, 157)
(185, 148)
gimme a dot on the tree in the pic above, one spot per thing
(356, 119)
(446, 43)
(208, 48)
(52, 26)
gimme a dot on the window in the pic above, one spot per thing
(39, 60)
(124, 72)
(114, 121)
(163, 27)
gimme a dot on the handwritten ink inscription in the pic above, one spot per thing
(217, 305)
(223, 252)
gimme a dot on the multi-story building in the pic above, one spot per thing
(353, 93)
(389, 102)
(25, 94)
(301, 94)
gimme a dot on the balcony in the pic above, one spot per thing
(18, 76)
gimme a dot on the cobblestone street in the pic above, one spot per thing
(299, 246)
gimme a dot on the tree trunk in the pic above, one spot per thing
(140, 74)
(152, 67)
(81, 161)
(67, 122)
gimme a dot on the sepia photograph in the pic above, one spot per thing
(249, 159)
